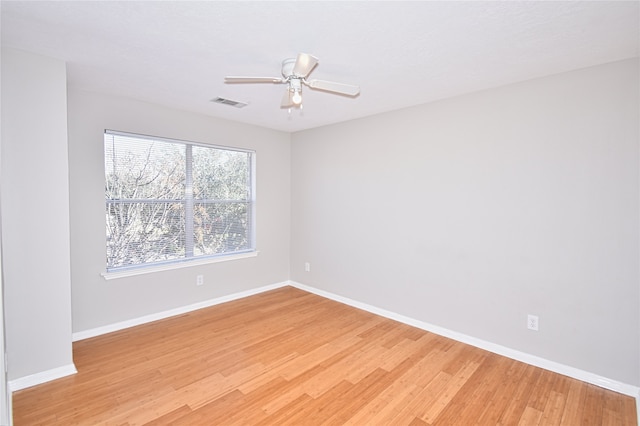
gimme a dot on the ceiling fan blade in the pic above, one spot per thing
(304, 64)
(235, 79)
(330, 86)
(286, 99)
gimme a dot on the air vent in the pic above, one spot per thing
(229, 102)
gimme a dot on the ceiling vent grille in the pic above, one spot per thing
(229, 102)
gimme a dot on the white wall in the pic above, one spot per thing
(35, 214)
(5, 393)
(472, 212)
(97, 302)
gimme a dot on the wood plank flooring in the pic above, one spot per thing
(287, 357)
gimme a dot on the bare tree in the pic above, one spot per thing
(166, 201)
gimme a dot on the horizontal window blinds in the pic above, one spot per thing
(171, 201)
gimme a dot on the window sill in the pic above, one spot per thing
(172, 266)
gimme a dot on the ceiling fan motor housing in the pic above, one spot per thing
(287, 67)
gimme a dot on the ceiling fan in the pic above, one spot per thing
(294, 75)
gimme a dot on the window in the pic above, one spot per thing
(172, 201)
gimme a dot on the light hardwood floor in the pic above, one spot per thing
(287, 357)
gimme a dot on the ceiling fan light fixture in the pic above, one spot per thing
(295, 87)
(296, 98)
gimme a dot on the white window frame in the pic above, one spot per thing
(189, 259)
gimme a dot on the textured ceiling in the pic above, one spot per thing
(176, 53)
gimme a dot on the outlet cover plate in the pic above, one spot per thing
(532, 322)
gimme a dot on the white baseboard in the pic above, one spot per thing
(565, 370)
(43, 377)
(86, 334)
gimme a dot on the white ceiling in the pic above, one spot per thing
(176, 53)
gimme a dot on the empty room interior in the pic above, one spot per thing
(366, 213)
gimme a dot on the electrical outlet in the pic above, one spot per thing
(199, 279)
(532, 322)
(307, 267)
